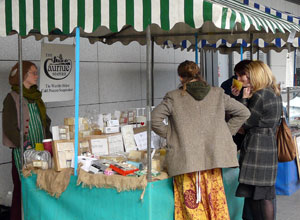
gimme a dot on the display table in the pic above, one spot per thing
(78, 203)
(235, 204)
(287, 181)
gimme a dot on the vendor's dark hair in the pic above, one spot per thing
(241, 67)
(189, 70)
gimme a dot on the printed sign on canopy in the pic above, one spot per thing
(57, 72)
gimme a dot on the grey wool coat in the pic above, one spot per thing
(259, 157)
(198, 138)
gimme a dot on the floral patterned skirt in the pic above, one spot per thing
(213, 204)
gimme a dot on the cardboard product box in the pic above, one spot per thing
(63, 153)
(85, 133)
(109, 130)
(156, 165)
(131, 116)
(99, 145)
(136, 155)
(81, 134)
(115, 143)
(112, 123)
(115, 158)
(81, 127)
(84, 147)
(124, 117)
(60, 132)
(71, 121)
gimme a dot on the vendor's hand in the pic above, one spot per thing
(235, 91)
(246, 92)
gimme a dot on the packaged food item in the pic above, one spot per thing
(112, 123)
(40, 164)
(61, 132)
(237, 84)
(41, 159)
(109, 130)
(123, 168)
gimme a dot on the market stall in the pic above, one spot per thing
(126, 22)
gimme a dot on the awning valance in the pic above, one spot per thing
(224, 47)
(278, 13)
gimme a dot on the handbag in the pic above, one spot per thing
(285, 142)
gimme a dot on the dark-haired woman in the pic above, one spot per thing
(199, 143)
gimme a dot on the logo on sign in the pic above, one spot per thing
(57, 68)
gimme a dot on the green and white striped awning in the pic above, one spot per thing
(126, 20)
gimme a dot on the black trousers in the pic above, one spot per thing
(15, 211)
(247, 213)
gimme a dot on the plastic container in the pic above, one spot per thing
(31, 156)
(8, 199)
(48, 145)
(39, 147)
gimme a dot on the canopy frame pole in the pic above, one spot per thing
(77, 79)
(149, 98)
(230, 61)
(242, 51)
(196, 49)
(152, 69)
(269, 58)
(288, 105)
(201, 62)
(295, 67)
(114, 36)
(21, 113)
(21, 99)
(251, 46)
(205, 64)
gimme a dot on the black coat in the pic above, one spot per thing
(226, 85)
(258, 158)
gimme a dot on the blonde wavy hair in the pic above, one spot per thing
(261, 77)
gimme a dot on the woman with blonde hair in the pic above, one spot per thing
(199, 143)
(258, 157)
